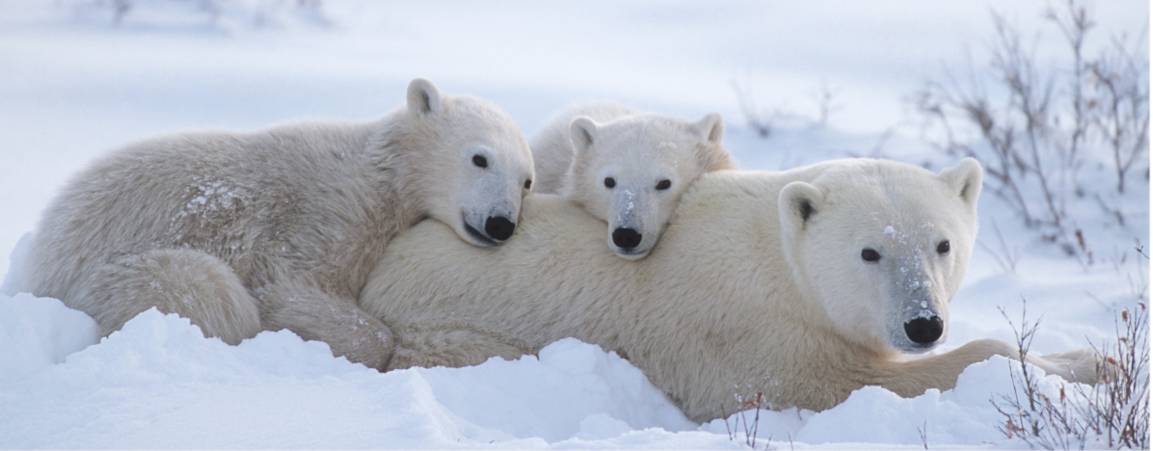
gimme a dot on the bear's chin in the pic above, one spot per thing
(905, 346)
(631, 255)
(474, 237)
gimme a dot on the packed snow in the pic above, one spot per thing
(74, 86)
(158, 382)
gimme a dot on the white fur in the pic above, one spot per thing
(277, 228)
(717, 308)
(583, 146)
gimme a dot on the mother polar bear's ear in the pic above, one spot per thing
(965, 180)
(798, 204)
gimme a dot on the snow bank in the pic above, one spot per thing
(11, 281)
(959, 417)
(36, 333)
(159, 383)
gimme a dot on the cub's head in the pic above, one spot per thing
(477, 168)
(883, 246)
(630, 172)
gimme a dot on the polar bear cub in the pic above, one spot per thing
(626, 168)
(278, 228)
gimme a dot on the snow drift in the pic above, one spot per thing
(159, 383)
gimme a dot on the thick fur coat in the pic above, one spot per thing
(278, 228)
(758, 285)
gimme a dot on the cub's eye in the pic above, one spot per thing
(664, 184)
(528, 184)
(610, 182)
(943, 247)
(480, 161)
(870, 255)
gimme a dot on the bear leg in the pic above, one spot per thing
(313, 314)
(912, 377)
(185, 282)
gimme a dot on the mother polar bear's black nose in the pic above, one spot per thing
(499, 227)
(925, 330)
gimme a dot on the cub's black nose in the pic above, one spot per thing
(499, 228)
(626, 238)
(925, 330)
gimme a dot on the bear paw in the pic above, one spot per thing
(1085, 366)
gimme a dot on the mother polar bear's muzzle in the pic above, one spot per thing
(923, 325)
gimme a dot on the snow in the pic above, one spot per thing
(74, 87)
(158, 382)
(36, 333)
(143, 386)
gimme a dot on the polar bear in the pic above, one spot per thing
(280, 227)
(626, 168)
(804, 284)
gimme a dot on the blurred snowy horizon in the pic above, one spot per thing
(76, 86)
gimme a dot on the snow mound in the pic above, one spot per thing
(159, 382)
(36, 333)
(13, 279)
(959, 417)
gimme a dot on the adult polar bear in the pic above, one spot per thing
(277, 228)
(806, 284)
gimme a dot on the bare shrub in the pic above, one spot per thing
(765, 121)
(1005, 255)
(755, 118)
(1139, 279)
(1120, 80)
(1113, 413)
(1035, 127)
(253, 14)
(742, 421)
(825, 97)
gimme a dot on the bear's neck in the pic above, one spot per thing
(392, 203)
(397, 163)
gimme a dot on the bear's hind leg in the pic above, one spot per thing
(189, 283)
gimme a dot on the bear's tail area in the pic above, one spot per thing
(185, 282)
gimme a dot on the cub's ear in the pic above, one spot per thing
(583, 131)
(965, 180)
(797, 205)
(710, 128)
(423, 98)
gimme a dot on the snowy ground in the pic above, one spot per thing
(71, 90)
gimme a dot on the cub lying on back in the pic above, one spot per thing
(277, 228)
(626, 168)
(806, 284)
